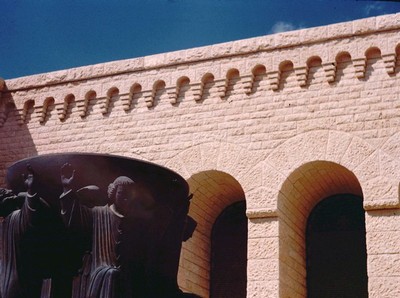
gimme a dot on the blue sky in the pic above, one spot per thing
(38, 36)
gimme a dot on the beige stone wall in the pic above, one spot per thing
(282, 121)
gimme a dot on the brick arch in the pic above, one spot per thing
(375, 168)
(303, 189)
(213, 192)
(296, 176)
(237, 161)
(219, 174)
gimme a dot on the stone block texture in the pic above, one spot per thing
(281, 121)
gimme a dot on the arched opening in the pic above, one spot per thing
(316, 73)
(111, 98)
(207, 82)
(48, 106)
(90, 100)
(135, 92)
(27, 111)
(300, 193)
(287, 75)
(158, 91)
(336, 248)
(232, 82)
(182, 87)
(228, 276)
(213, 191)
(259, 75)
(68, 104)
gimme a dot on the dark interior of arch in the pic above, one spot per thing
(228, 276)
(336, 249)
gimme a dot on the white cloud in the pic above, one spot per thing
(373, 7)
(283, 27)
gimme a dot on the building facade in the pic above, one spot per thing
(279, 123)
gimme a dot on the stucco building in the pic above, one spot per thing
(272, 133)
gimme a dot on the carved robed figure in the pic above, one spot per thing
(123, 240)
(22, 215)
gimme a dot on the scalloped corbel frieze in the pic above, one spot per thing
(197, 90)
(149, 96)
(330, 71)
(61, 109)
(274, 78)
(22, 113)
(390, 62)
(21, 116)
(83, 107)
(173, 94)
(302, 75)
(41, 113)
(360, 65)
(105, 107)
(248, 82)
(222, 87)
(126, 100)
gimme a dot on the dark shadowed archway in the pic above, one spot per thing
(336, 249)
(228, 276)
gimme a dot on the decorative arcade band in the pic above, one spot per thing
(126, 248)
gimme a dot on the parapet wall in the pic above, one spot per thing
(271, 43)
(253, 110)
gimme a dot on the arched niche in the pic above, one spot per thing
(305, 187)
(213, 191)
